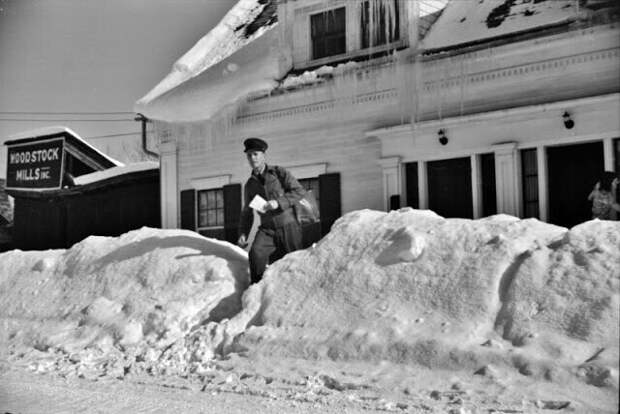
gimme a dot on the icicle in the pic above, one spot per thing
(462, 80)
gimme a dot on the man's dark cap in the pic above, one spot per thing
(255, 144)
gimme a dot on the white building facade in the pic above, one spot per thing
(378, 108)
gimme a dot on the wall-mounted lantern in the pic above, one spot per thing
(568, 122)
(443, 139)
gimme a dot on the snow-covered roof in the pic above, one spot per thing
(60, 130)
(466, 21)
(243, 73)
(245, 22)
(220, 70)
(115, 172)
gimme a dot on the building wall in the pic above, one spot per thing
(58, 219)
(368, 121)
(507, 132)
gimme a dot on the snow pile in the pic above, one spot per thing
(413, 287)
(141, 291)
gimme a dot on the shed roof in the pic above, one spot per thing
(70, 136)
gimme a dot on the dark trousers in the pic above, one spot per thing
(270, 245)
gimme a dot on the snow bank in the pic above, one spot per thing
(146, 289)
(407, 286)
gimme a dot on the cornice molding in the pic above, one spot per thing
(484, 78)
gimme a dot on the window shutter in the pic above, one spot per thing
(411, 182)
(232, 211)
(329, 196)
(188, 210)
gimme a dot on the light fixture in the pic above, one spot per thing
(443, 139)
(568, 122)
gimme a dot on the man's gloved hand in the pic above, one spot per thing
(271, 205)
(242, 242)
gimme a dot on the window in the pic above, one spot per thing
(211, 208)
(311, 184)
(379, 23)
(328, 32)
(529, 168)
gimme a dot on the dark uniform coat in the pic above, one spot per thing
(277, 184)
(279, 232)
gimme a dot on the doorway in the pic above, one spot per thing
(573, 170)
(449, 187)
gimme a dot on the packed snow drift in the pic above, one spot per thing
(146, 289)
(408, 286)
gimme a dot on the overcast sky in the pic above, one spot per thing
(91, 56)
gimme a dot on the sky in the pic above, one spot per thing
(91, 60)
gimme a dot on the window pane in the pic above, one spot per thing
(211, 217)
(220, 217)
(202, 199)
(220, 199)
(202, 219)
(211, 199)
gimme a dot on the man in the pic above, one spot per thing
(279, 232)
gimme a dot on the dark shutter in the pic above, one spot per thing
(489, 195)
(529, 175)
(232, 211)
(617, 167)
(188, 209)
(329, 196)
(411, 182)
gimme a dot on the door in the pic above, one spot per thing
(449, 187)
(573, 170)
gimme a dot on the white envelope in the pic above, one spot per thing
(258, 203)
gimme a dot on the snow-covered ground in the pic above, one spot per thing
(403, 311)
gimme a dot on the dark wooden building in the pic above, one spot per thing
(66, 190)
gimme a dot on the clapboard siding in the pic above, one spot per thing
(344, 148)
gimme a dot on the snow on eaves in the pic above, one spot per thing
(55, 130)
(228, 82)
(245, 22)
(466, 21)
(115, 172)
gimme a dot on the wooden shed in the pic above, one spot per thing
(66, 190)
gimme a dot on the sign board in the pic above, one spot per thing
(35, 165)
